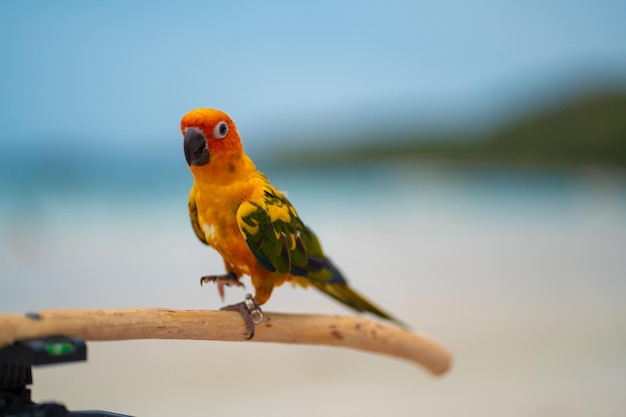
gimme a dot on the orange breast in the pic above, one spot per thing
(217, 215)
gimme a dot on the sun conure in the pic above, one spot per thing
(235, 210)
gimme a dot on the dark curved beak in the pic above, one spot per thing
(195, 146)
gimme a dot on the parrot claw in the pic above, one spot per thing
(250, 312)
(221, 280)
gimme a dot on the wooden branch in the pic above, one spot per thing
(155, 323)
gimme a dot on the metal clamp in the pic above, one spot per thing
(254, 309)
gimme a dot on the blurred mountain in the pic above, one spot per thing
(588, 130)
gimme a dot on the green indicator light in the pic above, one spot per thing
(58, 349)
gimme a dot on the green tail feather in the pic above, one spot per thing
(346, 295)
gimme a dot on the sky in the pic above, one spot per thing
(121, 74)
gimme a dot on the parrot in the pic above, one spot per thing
(235, 210)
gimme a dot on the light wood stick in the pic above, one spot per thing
(157, 323)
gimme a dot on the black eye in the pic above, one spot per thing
(221, 129)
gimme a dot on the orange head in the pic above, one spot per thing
(210, 139)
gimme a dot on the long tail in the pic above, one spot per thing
(346, 295)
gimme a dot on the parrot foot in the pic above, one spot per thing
(250, 312)
(221, 280)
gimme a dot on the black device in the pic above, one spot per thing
(16, 362)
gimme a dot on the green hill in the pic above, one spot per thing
(590, 130)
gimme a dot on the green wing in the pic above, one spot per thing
(193, 215)
(280, 241)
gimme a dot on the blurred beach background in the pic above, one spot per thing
(463, 164)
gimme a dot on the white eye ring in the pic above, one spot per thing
(220, 130)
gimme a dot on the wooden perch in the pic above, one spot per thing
(156, 323)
